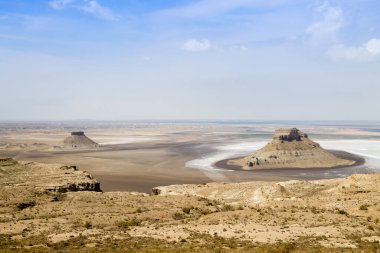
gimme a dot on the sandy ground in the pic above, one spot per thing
(313, 216)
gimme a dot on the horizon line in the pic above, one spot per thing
(185, 120)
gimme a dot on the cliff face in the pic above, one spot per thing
(78, 140)
(45, 177)
(291, 148)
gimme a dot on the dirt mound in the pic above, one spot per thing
(291, 148)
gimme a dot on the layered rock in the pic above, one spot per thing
(324, 214)
(78, 140)
(45, 177)
(267, 193)
(291, 148)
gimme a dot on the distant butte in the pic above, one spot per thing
(78, 140)
(291, 148)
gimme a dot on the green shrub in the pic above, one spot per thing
(364, 207)
(227, 208)
(87, 225)
(340, 211)
(178, 216)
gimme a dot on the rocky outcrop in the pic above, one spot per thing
(7, 162)
(74, 187)
(267, 193)
(156, 191)
(78, 140)
(333, 213)
(45, 177)
(291, 148)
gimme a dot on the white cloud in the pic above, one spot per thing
(194, 45)
(373, 46)
(367, 52)
(325, 30)
(93, 7)
(88, 6)
(207, 8)
(240, 47)
(60, 4)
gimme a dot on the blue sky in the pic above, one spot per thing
(201, 59)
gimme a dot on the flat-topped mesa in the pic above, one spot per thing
(79, 133)
(291, 148)
(34, 176)
(288, 134)
(78, 140)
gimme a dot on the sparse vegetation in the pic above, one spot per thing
(175, 218)
(178, 216)
(187, 210)
(195, 243)
(128, 223)
(87, 225)
(24, 205)
(141, 210)
(226, 208)
(364, 207)
(340, 211)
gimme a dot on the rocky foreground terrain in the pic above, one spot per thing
(47, 208)
(291, 148)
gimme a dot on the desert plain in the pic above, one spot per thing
(161, 190)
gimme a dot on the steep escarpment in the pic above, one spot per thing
(291, 148)
(44, 177)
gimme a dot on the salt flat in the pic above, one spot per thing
(140, 156)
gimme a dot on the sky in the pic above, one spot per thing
(190, 60)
